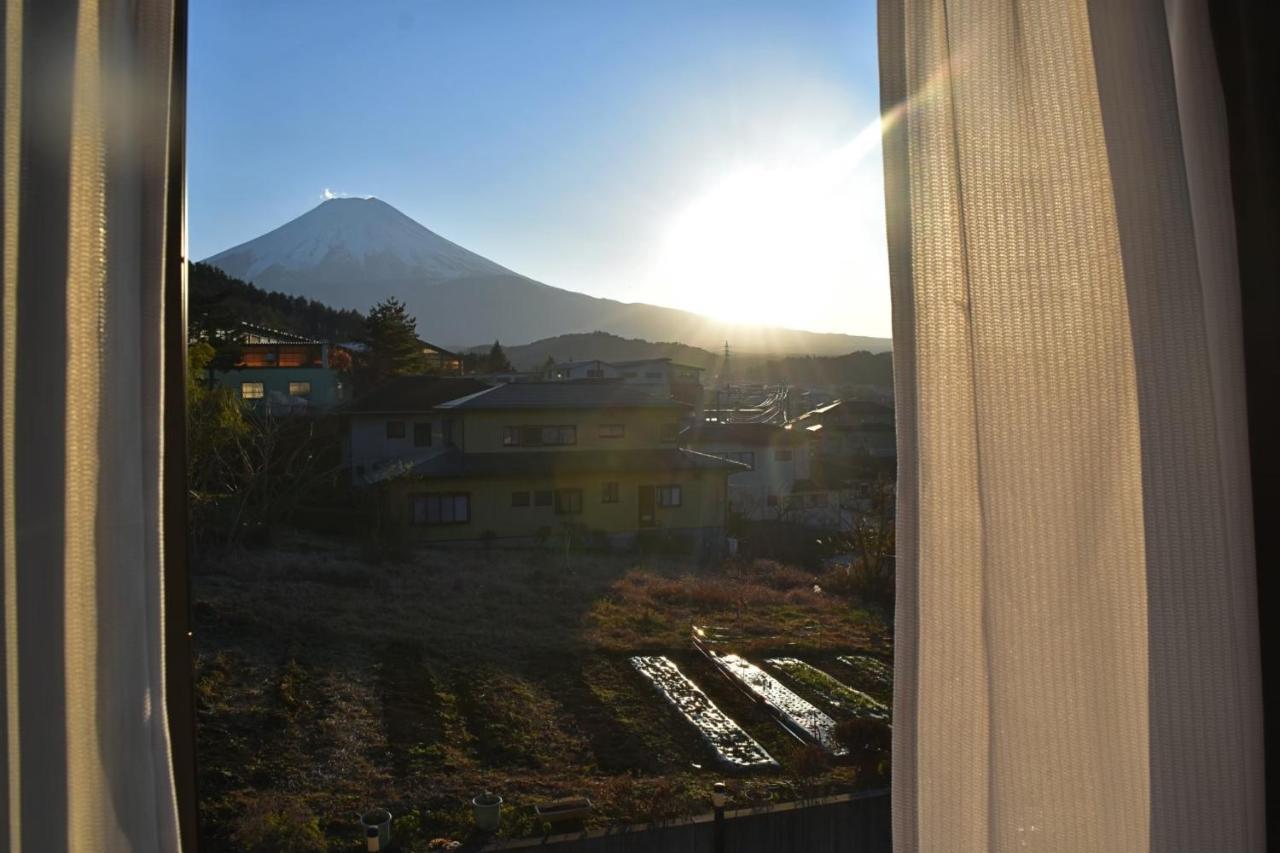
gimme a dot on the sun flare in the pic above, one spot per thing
(782, 244)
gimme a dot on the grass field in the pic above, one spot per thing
(328, 685)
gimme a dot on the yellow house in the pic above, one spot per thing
(520, 461)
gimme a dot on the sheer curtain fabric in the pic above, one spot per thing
(83, 737)
(1077, 660)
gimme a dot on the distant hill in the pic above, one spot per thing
(603, 346)
(855, 368)
(354, 252)
(217, 301)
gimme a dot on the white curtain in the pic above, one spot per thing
(1077, 653)
(83, 734)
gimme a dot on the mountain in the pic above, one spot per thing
(854, 368)
(354, 252)
(605, 347)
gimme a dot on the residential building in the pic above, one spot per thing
(283, 373)
(848, 431)
(778, 483)
(520, 461)
(398, 424)
(663, 376)
(594, 369)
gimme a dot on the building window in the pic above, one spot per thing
(670, 432)
(395, 429)
(568, 501)
(441, 508)
(542, 497)
(251, 391)
(539, 436)
(299, 389)
(611, 493)
(422, 435)
(670, 496)
(519, 498)
(446, 432)
(613, 430)
(782, 455)
(595, 373)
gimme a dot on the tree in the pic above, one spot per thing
(391, 336)
(498, 361)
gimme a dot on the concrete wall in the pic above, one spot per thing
(858, 823)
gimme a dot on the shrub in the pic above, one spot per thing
(275, 824)
(869, 741)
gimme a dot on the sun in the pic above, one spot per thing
(784, 244)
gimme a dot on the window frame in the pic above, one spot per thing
(440, 498)
(564, 507)
(244, 391)
(612, 430)
(665, 492)
(295, 389)
(418, 429)
(535, 435)
(611, 492)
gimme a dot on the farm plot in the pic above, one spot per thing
(873, 674)
(732, 745)
(836, 693)
(798, 713)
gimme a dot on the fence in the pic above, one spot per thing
(850, 823)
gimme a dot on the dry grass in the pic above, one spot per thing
(328, 685)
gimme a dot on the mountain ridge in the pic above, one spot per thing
(351, 253)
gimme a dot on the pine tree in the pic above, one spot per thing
(394, 349)
(498, 361)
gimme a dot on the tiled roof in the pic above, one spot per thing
(415, 394)
(730, 433)
(565, 395)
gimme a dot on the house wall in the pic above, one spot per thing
(702, 508)
(327, 387)
(369, 448)
(483, 430)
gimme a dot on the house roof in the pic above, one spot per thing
(663, 360)
(564, 395)
(581, 363)
(441, 350)
(414, 394)
(761, 435)
(455, 463)
(276, 335)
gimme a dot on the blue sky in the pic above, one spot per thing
(635, 150)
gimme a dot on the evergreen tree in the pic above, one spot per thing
(394, 349)
(498, 361)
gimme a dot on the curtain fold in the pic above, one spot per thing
(85, 745)
(1077, 661)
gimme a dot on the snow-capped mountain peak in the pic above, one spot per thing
(365, 238)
